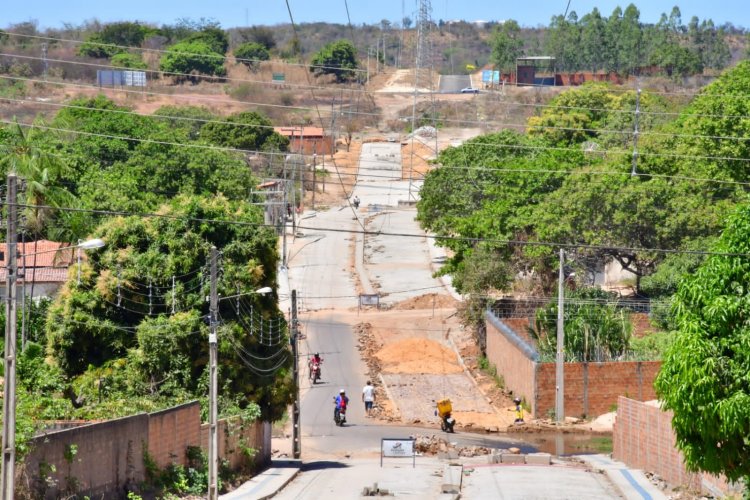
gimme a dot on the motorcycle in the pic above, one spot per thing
(339, 415)
(315, 372)
(444, 409)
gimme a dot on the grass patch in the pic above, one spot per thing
(490, 370)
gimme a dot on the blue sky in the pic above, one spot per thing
(52, 13)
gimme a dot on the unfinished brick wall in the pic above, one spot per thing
(592, 389)
(172, 431)
(514, 365)
(643, 438)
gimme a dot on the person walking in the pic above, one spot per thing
(368, 397)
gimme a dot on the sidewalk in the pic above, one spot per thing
(267, 483)
(632, 483)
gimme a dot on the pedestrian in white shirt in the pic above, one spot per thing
(368, 397)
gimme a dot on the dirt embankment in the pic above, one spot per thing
(417, 355)
(368, 346)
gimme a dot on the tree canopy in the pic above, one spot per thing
(188, 58)
(704, 375)
(337, 58)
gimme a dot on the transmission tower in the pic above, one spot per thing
(424, 13)
(423, 61)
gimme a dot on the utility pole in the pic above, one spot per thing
(9, 389)
(44, 59)
(213, 443)
(296, 443)
(560, 359)
(315, 158)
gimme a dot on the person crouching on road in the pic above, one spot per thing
(368, 397)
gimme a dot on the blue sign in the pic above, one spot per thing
(489, 76)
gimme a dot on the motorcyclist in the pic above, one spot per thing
(355, 202)
(315, 360)
(341, 401)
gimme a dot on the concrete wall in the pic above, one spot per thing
(592, 389)
(643, 439)
(110, 454)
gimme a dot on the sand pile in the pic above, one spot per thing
(427, 301)
(418, 356)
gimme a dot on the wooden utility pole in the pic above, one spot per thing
(296, 435)
(9, 388)
(213, 442)
(560, 359)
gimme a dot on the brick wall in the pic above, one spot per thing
(172, 431)
(643, 439)
(592, 389)
(235, 439)
(515, 365)
(110, 454)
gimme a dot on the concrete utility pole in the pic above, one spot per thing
(315, 159)
(296, 443)
(9, 389)
(213, 443)
(560, 360)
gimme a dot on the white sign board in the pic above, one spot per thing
(397, 448)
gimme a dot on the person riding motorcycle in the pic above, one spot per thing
(315, 362)
(339, 412)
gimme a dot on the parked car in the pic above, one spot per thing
(469, 90)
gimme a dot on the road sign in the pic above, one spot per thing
(369, 300)
(398, 448)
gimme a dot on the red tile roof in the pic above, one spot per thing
(52, 261)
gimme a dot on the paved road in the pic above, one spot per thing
(452, 84)
(339, 462)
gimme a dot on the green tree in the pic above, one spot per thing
(107, 323)
(703, 378)
(337, 58)
(186, 60)
(506, 44)
(213, 36)
(629, 44)
(248, 130)
(251, 54)
(593, 40)
(95, 46)
(127, 60)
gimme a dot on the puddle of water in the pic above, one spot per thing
(561, 444)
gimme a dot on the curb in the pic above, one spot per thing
(283, 485)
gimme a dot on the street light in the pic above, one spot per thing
(87, 245)
(213, 410)
(9, 389)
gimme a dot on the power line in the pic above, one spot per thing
(500, 241)
(238, 150)
(446, 120)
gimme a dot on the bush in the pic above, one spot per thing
(126, 60)
(190, 58)
(337, 58)
(252, 53)
(96, 47)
